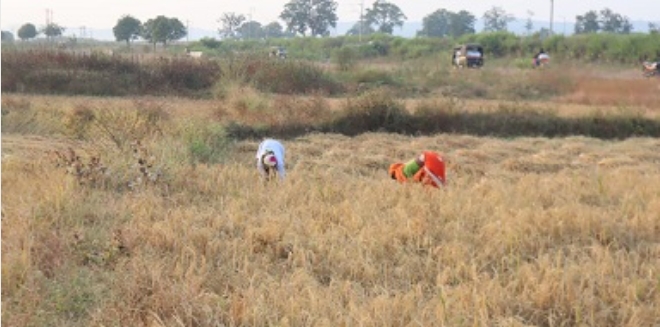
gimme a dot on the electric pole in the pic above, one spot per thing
(49, 16)
(552, 13)
(361, 17)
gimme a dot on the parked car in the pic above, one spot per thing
(469, 55)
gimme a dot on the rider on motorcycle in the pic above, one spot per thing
(541, 57)
(651, 67)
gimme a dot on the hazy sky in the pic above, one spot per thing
(204, 14)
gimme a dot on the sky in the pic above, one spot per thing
(204, 14)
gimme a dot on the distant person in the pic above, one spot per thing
(653, 65)
(428, 168)
(270, 159)
(540, 57)
(455, 57)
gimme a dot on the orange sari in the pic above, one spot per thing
(431, 174)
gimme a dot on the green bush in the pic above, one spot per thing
(210, 43)
(206, 143)
(345, 57)
(376, 110)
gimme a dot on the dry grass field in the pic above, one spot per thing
(178, 230)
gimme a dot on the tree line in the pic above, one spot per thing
(316, 17)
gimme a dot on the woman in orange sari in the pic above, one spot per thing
(428, 168)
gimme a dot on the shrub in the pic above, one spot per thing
(280, 76)
(205, 143)
(116, 127)
(210, 42)
(345, 57)
(376, 110)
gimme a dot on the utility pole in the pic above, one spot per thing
(552, 14)
(361, 17)
(49, 16)
(49, 20)
(187, 31)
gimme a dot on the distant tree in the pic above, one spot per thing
(163, 30)
(53, 30)
(529, 25)
(250, 30)
(654, 28)
(7, 36)
(436, 24)
(273, 29)
(385, 15)
(230, 22)
(442, 23)
(496, 19)
(128, 28)
(366, 29)
(27, 31)
(587, 23)
(611, 22)
(315, 16)
(462, 23)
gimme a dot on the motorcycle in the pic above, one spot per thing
(650, 69)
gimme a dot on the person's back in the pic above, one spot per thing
(428, 169)
(540, 57)
(270, 158)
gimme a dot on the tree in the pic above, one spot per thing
(52, 30)
(462, 23)
(162, 30)
(230, 22)
(385, 16)
(446, 23)
(496, 19)
(273, 29)
(654, 28)
(250, 30)
(587, 23)
(7, 36)
(27, 31)
(127, 29)
(366, 29)
(436, 24)
(317, 16)
(529, 25)
(611, 22)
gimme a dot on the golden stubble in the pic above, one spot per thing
(530, 231)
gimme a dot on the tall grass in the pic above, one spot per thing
(279, 76)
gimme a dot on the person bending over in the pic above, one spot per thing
(270, 159)
(428, 168)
